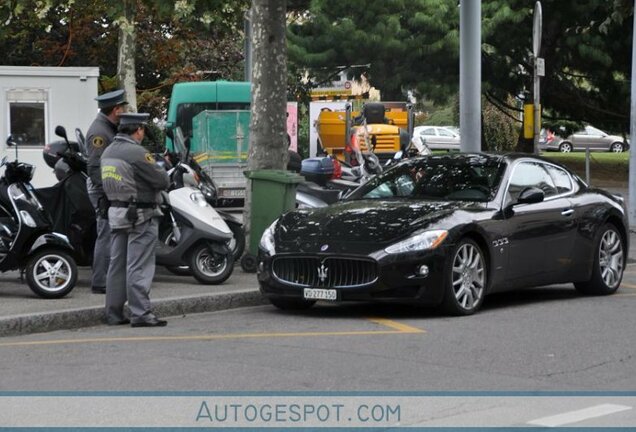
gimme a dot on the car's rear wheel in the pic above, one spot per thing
(292, 304)
(617, 147)
(565, 147)
(608, 265)
(467, 277)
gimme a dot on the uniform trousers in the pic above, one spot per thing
(101, 253)
(131, 270)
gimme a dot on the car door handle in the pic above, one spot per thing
(568, 212)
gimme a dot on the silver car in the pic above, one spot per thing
(590, 137)
(437, 137)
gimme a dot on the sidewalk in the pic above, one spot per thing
(22, 312)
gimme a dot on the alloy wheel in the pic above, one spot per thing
(611, 258)
(52, 272)
(469, 276)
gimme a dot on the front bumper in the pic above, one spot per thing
(397, 280)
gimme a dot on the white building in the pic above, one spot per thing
(34, 100)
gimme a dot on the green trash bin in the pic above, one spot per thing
(273, 193)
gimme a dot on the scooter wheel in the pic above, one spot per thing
(51, 274)
(249, 263)
(209, 267)
(237, 244)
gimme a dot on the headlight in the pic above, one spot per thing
(199, 199)
(422, 241)
(267, 240)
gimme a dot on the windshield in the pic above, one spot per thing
(464, 178)
(179, 141)
(187, 111)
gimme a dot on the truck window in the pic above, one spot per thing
(187, 111)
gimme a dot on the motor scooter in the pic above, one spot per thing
(192, 236)
(67, 201)
(27, 240)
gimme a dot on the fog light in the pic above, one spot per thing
(423, 270)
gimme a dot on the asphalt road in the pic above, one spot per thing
(538, 339)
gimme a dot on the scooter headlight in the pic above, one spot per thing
(267, 239)
(198, 199)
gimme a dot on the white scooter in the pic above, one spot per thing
(192, 236)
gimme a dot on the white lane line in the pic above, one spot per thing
(579, 415)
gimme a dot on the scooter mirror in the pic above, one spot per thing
(61, 132)
(11, 141)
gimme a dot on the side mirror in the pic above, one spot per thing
(61, 132)
(11, 141)
(169, 133)
(530, 195)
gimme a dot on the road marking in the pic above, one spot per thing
(397, 329)
(579, 415)
(403, 328)
(627, 285)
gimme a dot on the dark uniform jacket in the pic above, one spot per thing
(99, 135)
(130, 174)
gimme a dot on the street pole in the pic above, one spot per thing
(632, 132)
(536, 48)
(470, 75)
(247, 27)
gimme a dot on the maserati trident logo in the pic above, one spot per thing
(324, 247)
(322, 273)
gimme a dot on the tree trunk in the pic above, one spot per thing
(126, 54)
(268, 143)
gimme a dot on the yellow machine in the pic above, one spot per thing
(382, 127)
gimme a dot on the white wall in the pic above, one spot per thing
(71, 103)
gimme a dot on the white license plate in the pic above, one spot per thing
(320, 294)
(232, 193)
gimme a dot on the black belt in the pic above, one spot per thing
(141, 205)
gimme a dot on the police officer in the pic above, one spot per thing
(100, 134)
(132, 182)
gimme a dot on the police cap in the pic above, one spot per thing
(139, 119)
(111, 99)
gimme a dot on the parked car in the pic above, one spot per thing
(437, 137)
(590, 137)
(448, 230)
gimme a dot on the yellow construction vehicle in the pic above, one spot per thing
(381, 127)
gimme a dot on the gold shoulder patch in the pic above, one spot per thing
(98, 142)
(150, 158)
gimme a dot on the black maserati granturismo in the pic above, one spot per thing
(448, 230)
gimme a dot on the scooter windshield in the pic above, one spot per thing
(179, 142)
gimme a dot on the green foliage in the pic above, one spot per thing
(500, 131)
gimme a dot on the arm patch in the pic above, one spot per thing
(98, 142)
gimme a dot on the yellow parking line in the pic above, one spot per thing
(403, 328)
(397, 329)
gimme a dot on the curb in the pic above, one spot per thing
(92, 316)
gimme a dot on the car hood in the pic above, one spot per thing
(371, 222)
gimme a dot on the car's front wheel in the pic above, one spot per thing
(565, 147)
(617, 147)
(466, 280)
(608, 265)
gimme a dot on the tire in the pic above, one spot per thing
(249, 263)
(51, 273)
(167, 237)
(608, 265)
(565, 147)
(466, 279)
(292, 304)
(237, 245)
(617, 147)
(209, 267)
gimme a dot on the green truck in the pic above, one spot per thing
(215, 115)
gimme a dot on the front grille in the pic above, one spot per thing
(325, 272)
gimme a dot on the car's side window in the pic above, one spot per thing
(530, 174)
(444, 132)
(562, 179)
(429, 132)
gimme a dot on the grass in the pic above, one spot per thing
(606, 168)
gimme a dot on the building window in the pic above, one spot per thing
(28, 116)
